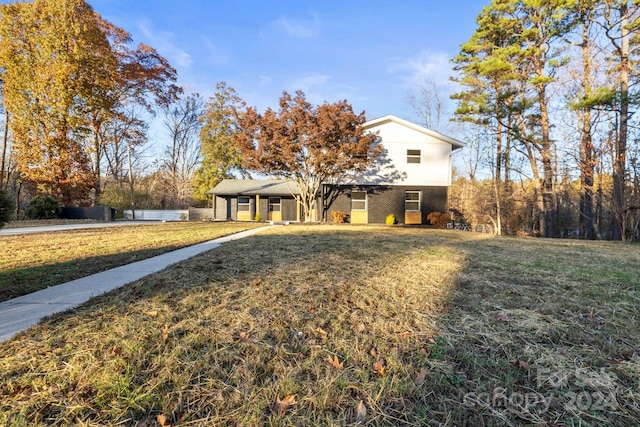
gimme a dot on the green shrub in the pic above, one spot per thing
(42, 207)
(258, 217)
(439, 219)
(390, 219)
(6, 208)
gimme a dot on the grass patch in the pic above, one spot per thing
(425, 327)
(31, 262)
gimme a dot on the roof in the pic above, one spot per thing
(456, 144)
(252, 187)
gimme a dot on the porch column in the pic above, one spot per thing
(257, 207)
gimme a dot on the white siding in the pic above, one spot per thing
(392, 167)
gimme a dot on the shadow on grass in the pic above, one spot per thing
(422, 326)
(18, 282)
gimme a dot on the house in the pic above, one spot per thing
(242, 199)
(409, 179)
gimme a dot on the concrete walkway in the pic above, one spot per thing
(20, 313)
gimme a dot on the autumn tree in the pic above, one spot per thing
(46, 49)
(309, 145)
(142, 78)
(220, 157)
(67, 72)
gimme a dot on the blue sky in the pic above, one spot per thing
(372, 53)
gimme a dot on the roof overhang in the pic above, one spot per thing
(255, 187)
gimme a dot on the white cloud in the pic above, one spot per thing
(312, 86)
(298, 28)
(264, 80)
(214, 54)
(426, 66)
(164, 43)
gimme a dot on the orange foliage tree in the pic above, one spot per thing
(309, 145)
(66, 71)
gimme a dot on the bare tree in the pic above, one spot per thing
(182, 155)
(429, 103)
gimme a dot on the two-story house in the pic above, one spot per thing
(410, 179)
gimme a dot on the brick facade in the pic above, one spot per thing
(385, 200)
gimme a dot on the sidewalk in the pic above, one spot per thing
(20, 313)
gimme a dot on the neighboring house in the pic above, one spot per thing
(410, 179)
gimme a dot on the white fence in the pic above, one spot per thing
(192, 214)
(158, 215)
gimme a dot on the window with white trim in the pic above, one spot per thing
(275, 204)
(412, 201)
(358, 200)
(413, 156)
(243, 204)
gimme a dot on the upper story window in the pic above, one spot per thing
(413, 156)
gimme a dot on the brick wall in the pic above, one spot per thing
(384, 200)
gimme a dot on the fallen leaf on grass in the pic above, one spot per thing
(501, 317)
(323, 334)
(373, 352)
(165, 332)
(521, 364)
(280, 407)
(244, 336)
(421, 376)
(335, 363)
(162, 420)
(404, 335)
(361, 413)
(378, 367)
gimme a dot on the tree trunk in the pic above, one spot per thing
(547, 162)
(621, 143)
(5, 139)
(97, 187)
(131, 187)
(497, 183)
(586, 144)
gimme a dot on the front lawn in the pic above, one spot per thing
(339, 325)
(31, 262)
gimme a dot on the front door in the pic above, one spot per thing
(275, 209)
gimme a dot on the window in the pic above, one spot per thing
(413, 156)
(274, 204)
(243, 204)
(358, 200)
(412, 201)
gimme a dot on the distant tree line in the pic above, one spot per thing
(549, 91)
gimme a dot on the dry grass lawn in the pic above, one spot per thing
(32, 262)
(345, 325)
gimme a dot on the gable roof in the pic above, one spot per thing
(456, 144)
(252, 187)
